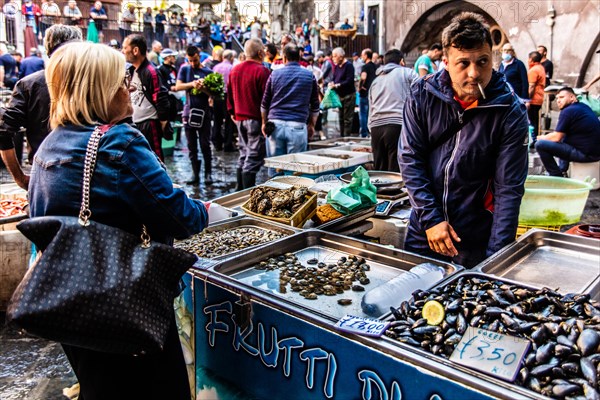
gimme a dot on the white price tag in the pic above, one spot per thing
(491, 352)
(362, 326)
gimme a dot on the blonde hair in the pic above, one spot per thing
(83, 78)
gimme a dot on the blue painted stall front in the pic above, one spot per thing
(281, 356)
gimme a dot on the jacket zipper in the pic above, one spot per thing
(447, 169)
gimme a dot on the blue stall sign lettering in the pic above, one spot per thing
(491, 352)
(362, 326)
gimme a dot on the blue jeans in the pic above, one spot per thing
(289, 137)
(364, 116)
(548, 150)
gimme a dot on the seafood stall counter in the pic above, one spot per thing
(272, 312)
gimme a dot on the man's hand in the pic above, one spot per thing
(23, 182)
(311, 131)
(441, 237)
(262, 129)
(163, 125)
(331, 85)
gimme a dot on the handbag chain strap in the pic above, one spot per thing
(91, 154)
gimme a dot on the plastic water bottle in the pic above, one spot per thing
(378, 300)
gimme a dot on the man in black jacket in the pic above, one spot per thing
(29, 107)
(168, 75)
(463, 152)
(149, 97)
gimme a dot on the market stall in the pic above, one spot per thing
(289, 341)
(330, 309)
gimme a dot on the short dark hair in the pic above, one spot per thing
(137, 40)
(535, 56)
(192, 51)
(543, 47)
(291, 52)
(436, 46)
(271, 48)
(368, 53)
(567, 89)
(467, 30)
(393, 56)
(327, 52)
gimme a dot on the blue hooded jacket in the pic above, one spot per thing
(474, 176)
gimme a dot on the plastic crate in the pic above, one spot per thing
(305, 163)
(522, 229)
(298, 219)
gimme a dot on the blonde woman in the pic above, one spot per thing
(129, 188)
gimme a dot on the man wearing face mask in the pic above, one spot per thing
(515, 71)
(463, 152)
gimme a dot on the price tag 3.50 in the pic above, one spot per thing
(362, 326)
(490, 352)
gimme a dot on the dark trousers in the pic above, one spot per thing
(364, 116)
(223, 126)
(534, 119)
(347, 114)
(384, 141)
(126, 32)
(160, 35)
(116, 376)
(152, 130)
(149, 34)
(548, 150)
(202, 136)
(251, 143)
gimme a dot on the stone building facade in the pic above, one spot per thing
(569, 29)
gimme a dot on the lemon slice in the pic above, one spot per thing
(433, 312)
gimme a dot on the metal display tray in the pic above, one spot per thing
(568, 263)
(519, 392)
(234, 200)
(247, 222)
(327, 247)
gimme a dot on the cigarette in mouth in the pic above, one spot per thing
(481, 90)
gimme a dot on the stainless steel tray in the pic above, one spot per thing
(568, 263)
(327, 247)
(379, 179)
(247, 222)
(234, 200)
(519, 392)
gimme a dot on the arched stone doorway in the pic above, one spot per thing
(428, 28)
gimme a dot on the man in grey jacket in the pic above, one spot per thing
(387, 96)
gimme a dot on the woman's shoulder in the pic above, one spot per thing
(122, 134)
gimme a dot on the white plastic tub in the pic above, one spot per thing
(551, 201)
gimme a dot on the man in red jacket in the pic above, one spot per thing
(245, 90)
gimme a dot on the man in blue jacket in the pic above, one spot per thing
(463, 152)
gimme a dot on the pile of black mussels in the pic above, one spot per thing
(564, 330)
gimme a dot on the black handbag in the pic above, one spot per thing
(95, 286)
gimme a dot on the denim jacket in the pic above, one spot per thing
(129, 186)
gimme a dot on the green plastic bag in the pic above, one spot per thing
(593, 102)
(359, 193)
(331, 100)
